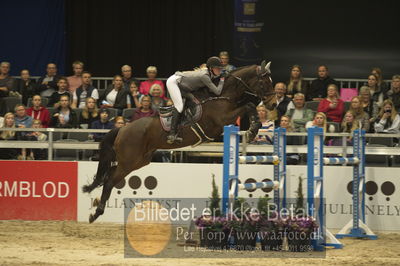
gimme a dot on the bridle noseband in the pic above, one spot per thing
(248, 89)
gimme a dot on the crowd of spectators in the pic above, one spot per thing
(73, 102)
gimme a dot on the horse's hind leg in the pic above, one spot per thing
(116, 176)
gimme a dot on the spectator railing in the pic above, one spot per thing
(207, 148)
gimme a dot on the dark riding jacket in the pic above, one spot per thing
(193, 80)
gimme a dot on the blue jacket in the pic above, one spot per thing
(99, 125)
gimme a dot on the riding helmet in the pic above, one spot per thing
(214, 62)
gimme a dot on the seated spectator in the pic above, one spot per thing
(9, 122)
(62, 85)
(378, 96)
(38, 112)
(75, 81)
(319, 86)
(84, 91)
(350, 122)
(116, 96)
(369, 106)
(296, 84)
(64, 116)
(37, 154)
(282, 101)
(102, 123)
(224, 56)
(267, 120)
(89, 114)
(6, 84)
(156, 100)
(377, 72)
(388, 120)
(299, 115)
(145, 86)
(22, 120)
(357, 109)
(332, 105)
(291, 158)
(286, 122)
(25, 86)
(320, 121)
(145, 109)
(127, 77)
(119, 121)
(134, 94)
(394, 93)
(47, 84)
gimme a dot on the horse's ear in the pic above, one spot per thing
(265, 67)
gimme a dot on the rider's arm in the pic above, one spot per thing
(215, 89)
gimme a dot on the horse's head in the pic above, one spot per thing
(255, 83)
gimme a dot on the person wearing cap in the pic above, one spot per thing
(189, 81)
(102, 123)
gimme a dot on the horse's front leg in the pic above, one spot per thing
(250, 109)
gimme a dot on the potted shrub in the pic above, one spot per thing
(214, 231)
(271, 232)
(299, 233)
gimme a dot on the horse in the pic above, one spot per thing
(129, 148)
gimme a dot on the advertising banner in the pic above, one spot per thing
(32, 190)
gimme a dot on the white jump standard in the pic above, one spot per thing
(231, 186)
(315, 162)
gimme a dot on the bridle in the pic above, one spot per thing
(248, 89)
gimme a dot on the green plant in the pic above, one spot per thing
(215, 199)
(300, 197)
(262, 205)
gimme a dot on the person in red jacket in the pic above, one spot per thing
(38, 112)
(332, 106)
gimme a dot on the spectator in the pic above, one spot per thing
(377, 72)
(38, 112)
(350, 123)
(127, 76)
(388, 120)
(134, 94)
(320, 121)
(9, 122)
(357, 110)
(282, 100)
(299, 115)
(119, 121)
(37, 154)
(64, 117)
(75, 81)
(267, 125)
(226, 67)
(145, 108)
(22, 120)
(318, 88)
(332, 105)
(62, 85)
(89, 114)
(285, 122)
(394, 93)
(47, 84)
(116, 96)
(6, 84)
(296, 83)
(84, 91)
(378, 96)
(156, 100)
(145, 86)
(25, 86)
(102, 123)
(369, 106)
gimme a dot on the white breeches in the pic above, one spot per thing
(174, 92)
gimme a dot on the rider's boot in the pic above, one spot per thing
(172, 137)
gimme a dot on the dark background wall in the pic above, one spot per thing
(178, 35)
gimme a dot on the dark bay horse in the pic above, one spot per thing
(131, 147)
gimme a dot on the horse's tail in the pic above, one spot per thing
(106, 157)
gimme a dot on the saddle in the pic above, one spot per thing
(191, 114)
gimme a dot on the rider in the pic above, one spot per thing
(190, 81)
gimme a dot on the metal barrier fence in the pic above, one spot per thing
(213, 149)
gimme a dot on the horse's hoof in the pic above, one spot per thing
(91, 218)
(96, 202)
